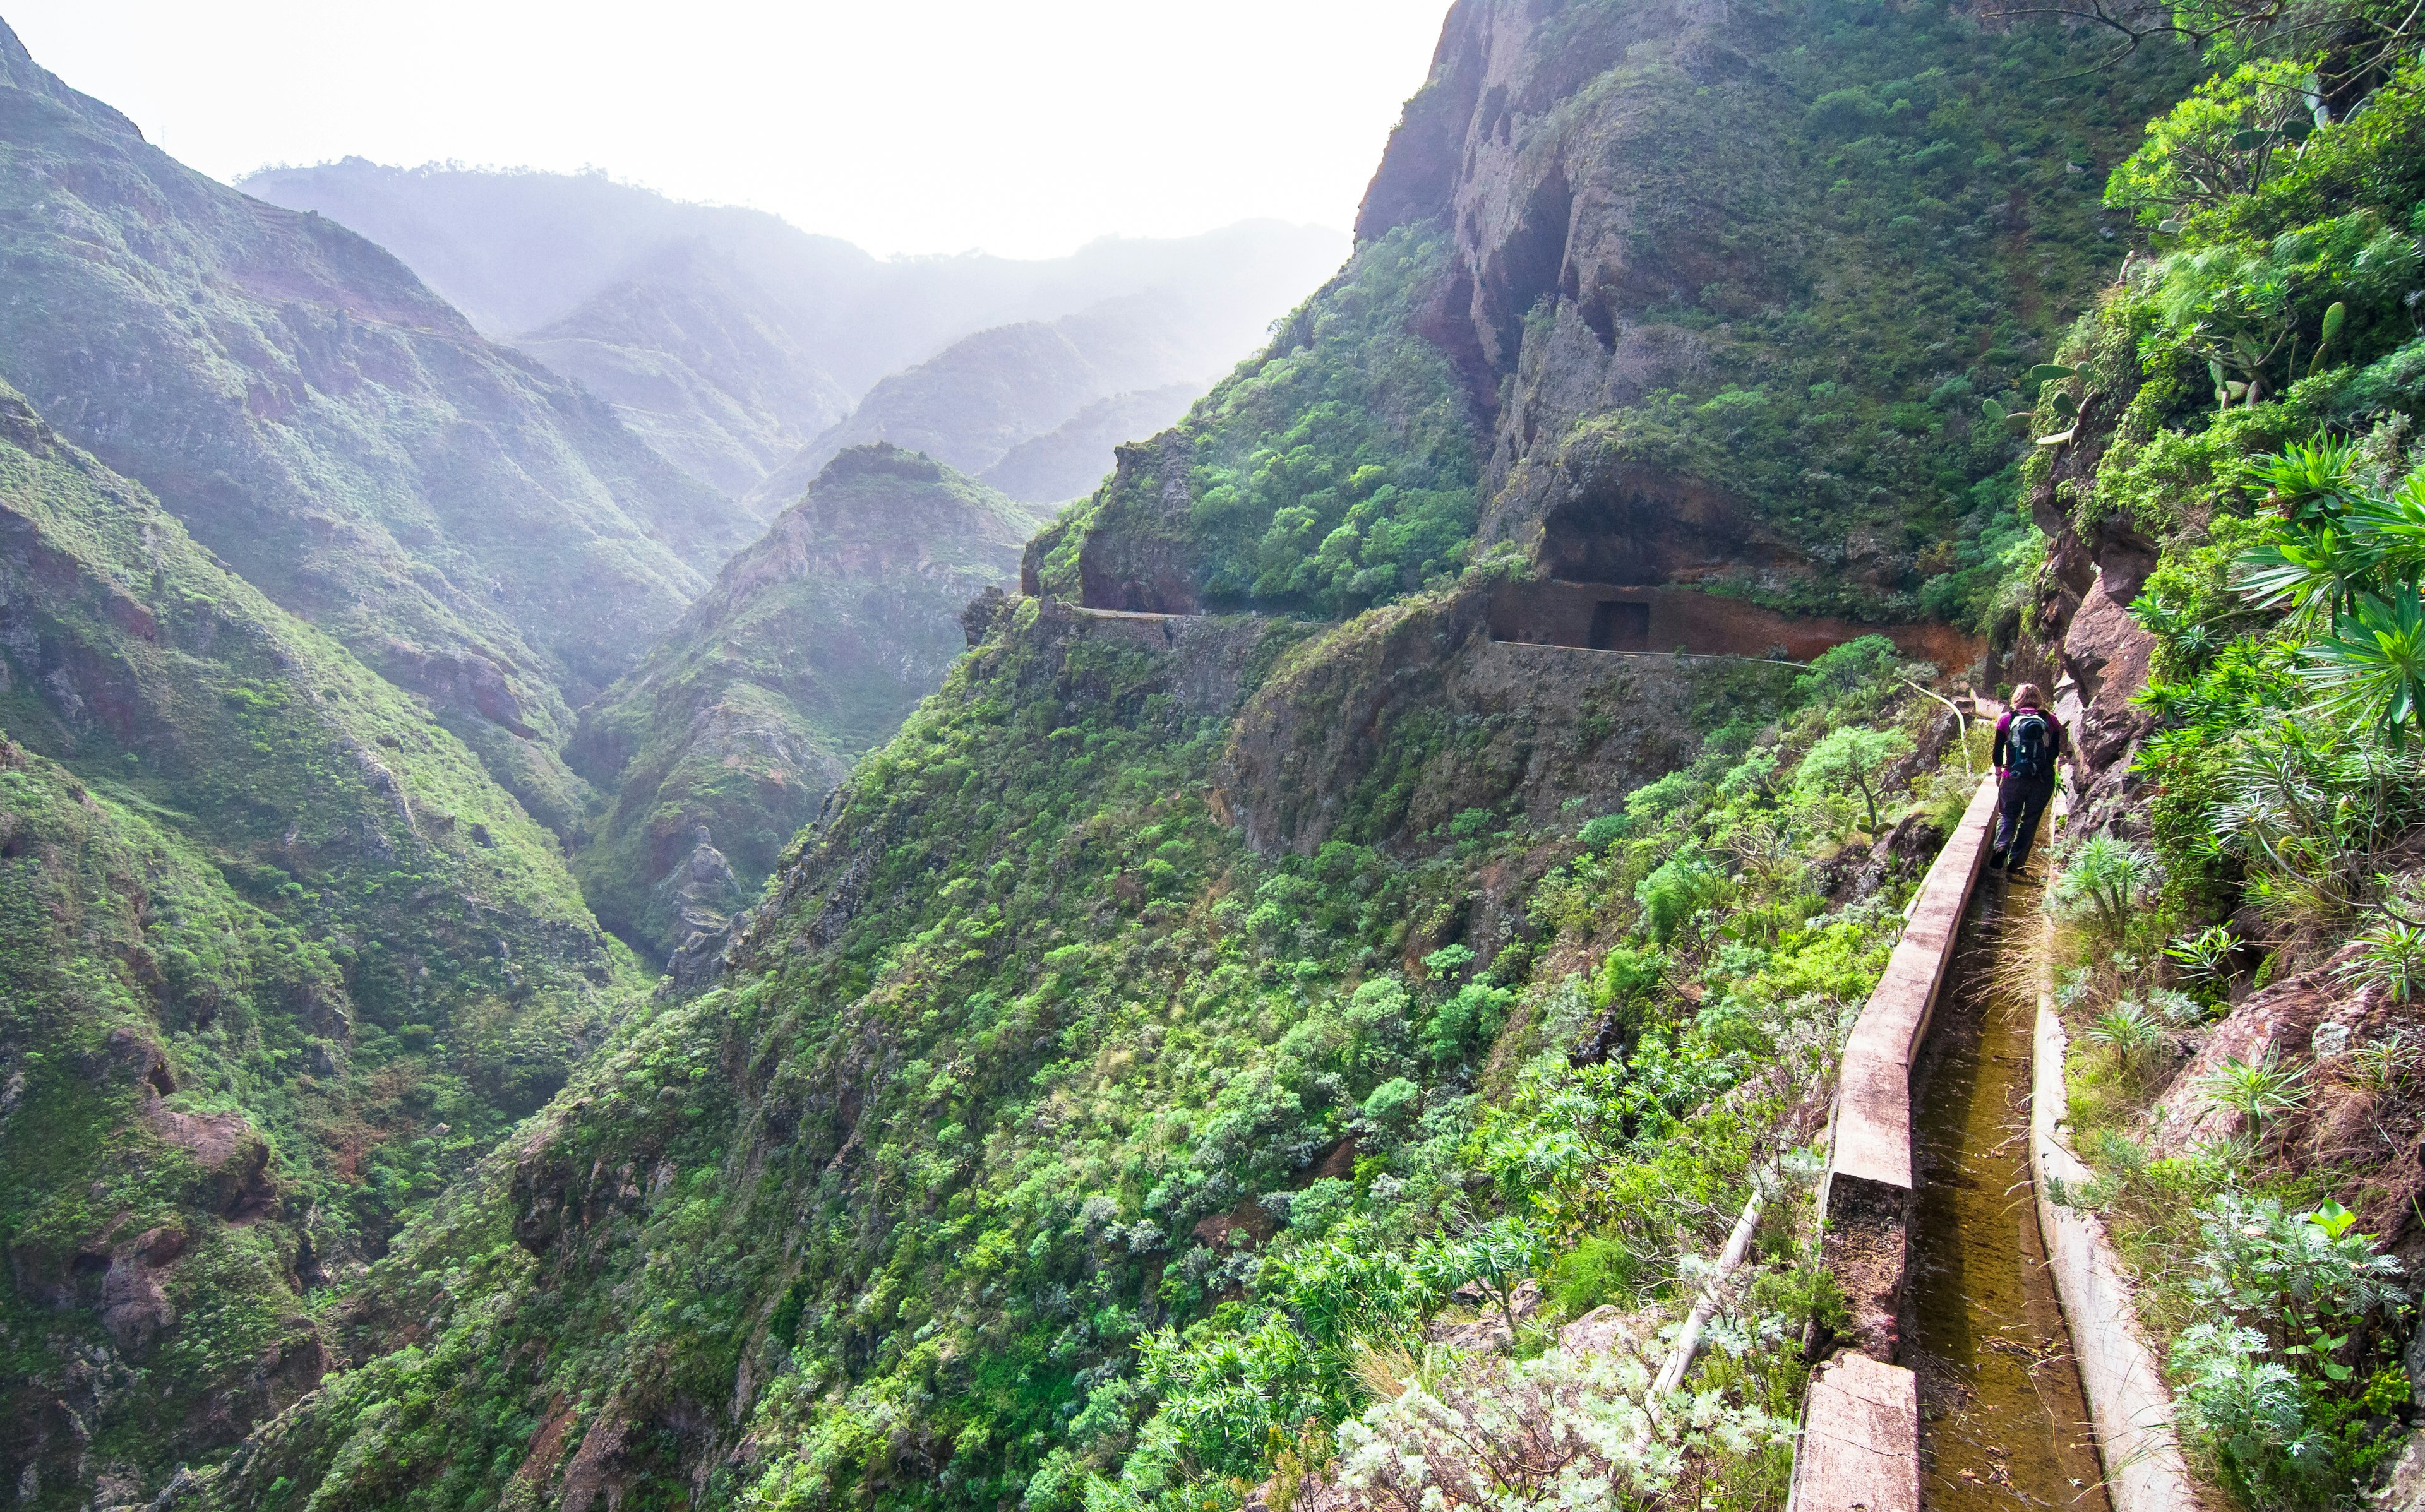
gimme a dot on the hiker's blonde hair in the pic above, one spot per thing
(2028, 696)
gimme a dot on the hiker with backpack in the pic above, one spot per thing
(2029, 742)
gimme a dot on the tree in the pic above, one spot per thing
(1853, 760)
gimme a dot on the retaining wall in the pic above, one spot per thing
(1861, 1431)
(1859, 1450)
(1618, 617)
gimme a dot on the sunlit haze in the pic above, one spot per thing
(1023, 129)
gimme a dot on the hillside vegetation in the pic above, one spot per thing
(812, 647)
(2228, 462)
(1251, 1038)
(280, 959)
(1723, 294)
(1157, 1071)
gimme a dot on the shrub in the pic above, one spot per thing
(1603, 830)
(2130, 1030)
(2273, 1374)
(2102, 885)
(1847, 668)
(1681, 887)
(2391, 951)
(1599, 1269)
(1562, 1430)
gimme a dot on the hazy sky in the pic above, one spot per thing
(1023, 127)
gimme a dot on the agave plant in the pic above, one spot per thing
(2130, 1030)
(2383, 1063)
(2318, 572)
(2310, 477)
(2205, 958)
(2391, 951)
(2102, 884)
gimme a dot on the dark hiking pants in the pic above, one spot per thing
(2018, 806)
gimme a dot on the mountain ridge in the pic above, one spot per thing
(741, 346)
(338, 434)
(812, 647)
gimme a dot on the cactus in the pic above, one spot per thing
(2333, 318)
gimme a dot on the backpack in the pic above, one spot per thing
(2030, 745)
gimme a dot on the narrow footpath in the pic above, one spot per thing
(2003, 1420)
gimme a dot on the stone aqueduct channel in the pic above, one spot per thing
(1992, 1356)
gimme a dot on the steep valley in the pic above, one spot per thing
(812, 647)
(281, 960)
(1177, 1002)
(472, 527)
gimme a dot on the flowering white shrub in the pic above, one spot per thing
(1560, 1431)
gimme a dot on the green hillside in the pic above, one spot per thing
(1719, 299)
(472, 527)
(1253, 1038)
(1153, 1036)
(812, 646)
(280, 961)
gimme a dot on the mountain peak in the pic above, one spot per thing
(879, 459)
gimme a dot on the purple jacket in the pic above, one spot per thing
(2004, 739)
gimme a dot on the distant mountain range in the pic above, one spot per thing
(476, 528)
(735, 343)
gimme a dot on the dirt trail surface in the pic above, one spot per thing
(2002, 1417)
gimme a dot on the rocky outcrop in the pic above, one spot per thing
(1143, 564)
(1687, 345)
(2085, 647)
(1305, 761)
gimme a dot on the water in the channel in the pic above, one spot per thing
(2002, 1419)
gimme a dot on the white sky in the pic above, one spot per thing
(1021, 127)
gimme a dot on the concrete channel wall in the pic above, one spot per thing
(1860, 1432)
(2126, 1398)
(1859, 1450)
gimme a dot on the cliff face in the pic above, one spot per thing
(278, 960)
(469, 524)
(1721, 288)
(812, 646)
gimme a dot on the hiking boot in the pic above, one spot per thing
(1995, 861)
